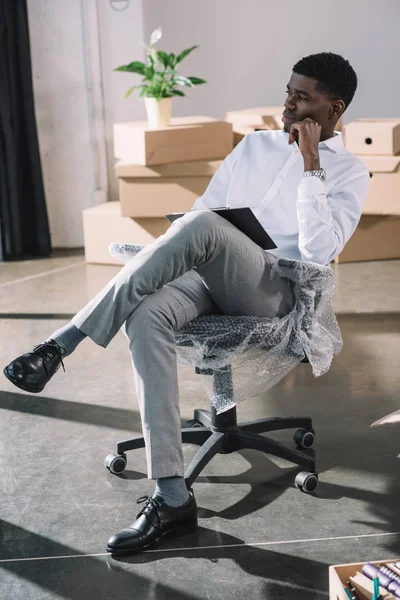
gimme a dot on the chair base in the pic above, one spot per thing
(222, 434)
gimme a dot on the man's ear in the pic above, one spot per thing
(336, 110)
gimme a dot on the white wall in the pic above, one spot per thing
(75, 44)
(247, 49)
(121, 32)
(62, 116)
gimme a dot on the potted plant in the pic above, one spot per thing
(160, 80)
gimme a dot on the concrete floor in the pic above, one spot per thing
(258, 536)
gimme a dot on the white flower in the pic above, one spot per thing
(150, 50)
(155, 36)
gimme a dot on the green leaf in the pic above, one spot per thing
(143, 91)
(129, 92)
(172, 60)
(183, 54)
(180, 80)
(149, 72)
(163, 57)
(177, 93)
(197, 80)
(133, 67)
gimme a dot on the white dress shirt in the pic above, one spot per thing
(308, 219)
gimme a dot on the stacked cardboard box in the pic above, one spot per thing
(103, 225)
(255, 119)
(377, 143)
(158, 191)
(160, 171)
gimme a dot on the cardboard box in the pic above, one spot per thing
(384, 191)
(158, 191)
(104, 224)
(270, 116)
(254, 119)
(373, 136)
(185, 139)
(339, 575)
(376, 238)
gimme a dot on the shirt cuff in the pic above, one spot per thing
(311, 186)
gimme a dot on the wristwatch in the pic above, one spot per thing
(320, 173)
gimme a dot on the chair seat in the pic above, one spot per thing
(224, 332)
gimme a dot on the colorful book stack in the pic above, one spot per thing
(365, 581)
(159, 171)
(377, 143)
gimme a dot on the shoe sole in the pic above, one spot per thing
(179, 531)
(19, 385)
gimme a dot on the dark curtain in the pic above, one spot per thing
(24, 227)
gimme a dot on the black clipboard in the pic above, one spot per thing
(245, 220)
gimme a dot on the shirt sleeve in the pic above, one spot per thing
(216, 193)
(326, 222)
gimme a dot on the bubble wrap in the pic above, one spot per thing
(244, 356)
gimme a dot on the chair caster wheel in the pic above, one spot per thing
(192, 423)
(116, 463)
(306, 482)
(304, 437)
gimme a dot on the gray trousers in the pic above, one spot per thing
(201, 265)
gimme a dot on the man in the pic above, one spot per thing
(307, 191)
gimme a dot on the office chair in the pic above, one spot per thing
(221, 433)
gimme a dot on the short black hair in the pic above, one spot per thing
(336, 77)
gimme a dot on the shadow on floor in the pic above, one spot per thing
(89, 577)
(79, 412)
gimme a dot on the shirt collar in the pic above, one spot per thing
(334, 143)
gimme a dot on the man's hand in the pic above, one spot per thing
(307, 133)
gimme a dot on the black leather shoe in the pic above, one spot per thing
(31, 371)
(154, 521)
